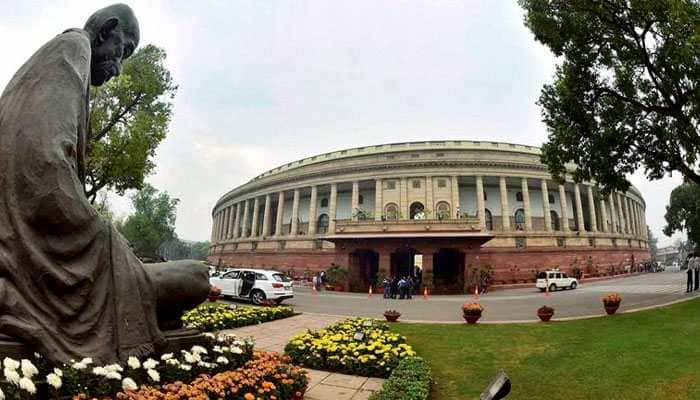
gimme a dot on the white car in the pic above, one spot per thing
(555, 279)
(255, 285)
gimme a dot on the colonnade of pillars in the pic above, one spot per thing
(626, 214)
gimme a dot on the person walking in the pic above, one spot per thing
(696, 272)
(402, 288)
(394, 287)
(689, 283)
(409, 287)
(387, 287)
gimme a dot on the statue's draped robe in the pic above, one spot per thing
(70, 286)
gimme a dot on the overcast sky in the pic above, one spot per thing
(263, 83)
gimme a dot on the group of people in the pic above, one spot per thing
(693, 274)
(403, 287)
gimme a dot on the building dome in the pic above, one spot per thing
(441, 211)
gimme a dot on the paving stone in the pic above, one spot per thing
(346, 381)
(315, 376)
(362, 395)
(373, 384)
(328, 392)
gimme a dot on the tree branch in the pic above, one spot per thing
(105, 130)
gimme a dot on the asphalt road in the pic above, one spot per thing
(506, 305)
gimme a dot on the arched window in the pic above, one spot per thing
(391, 211)
(519, 196)
(442, 210)
(417, 210)
(519, 219)
(324, 203)
(489, 219)
(555, 220)
(323, 221)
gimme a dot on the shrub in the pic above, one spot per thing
(472, 309)
(545, 310)
(216, 316)
(612, 299)
(356, 346)
(337, 275)
(410, 380)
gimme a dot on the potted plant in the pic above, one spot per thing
(471, 312)
(611, 302)
(214, 293)
(545, 313)
(392, 315)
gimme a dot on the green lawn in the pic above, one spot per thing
(647, 355)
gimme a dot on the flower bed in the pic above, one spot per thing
(216, 316)
(85, 380)
(356, 346)
(410, 380)
(266, 376)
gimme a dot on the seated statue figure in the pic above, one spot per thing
(70, 286)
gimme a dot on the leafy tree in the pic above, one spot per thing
(129, 118)
(153, 222)
(177, 249)
(625, 94)
(683, 211)
(653, 243)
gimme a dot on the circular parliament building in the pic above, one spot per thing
(445, 210)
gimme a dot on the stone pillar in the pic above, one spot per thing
(294, 230)
(224, 224)
(430, 202)
(428, 270)
(213, 229)
(545, 206)
(505, 211)
(378, 200)
(603, 216)
(312, 210)
(244, 225)
(237, 221)
(579, 209)
(526, 204)
(280, 214)
(633, 217)
(222, 228)
(628, 214)
(455, 197)
(621, 214)
(332, 206)
(266, 216)
(384, 263)
(613, 213)
(625, 213)
(480, 206)
(256, 216)
(564, 211)
(355, 203)
(591, 210)
(230, 220)
(405, 213)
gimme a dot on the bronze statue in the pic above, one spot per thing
(70, 287)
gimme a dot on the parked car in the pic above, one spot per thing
(555, 279)
(255, 285)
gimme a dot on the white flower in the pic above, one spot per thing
(113, 375)
(2, 395)
(27, 384)
(54, 380)
(37, 355)
(209, 335)
(114, 368)
(154, 375)
(192, 357)
(166, 356)
(185, 367)
(133, 362)
(129, 384)
(100, 371)
(222, 360)
(11, 375)
(199, 350)
(10, 363)
(28, 369)
(217, 349)
(150, 363)
(172, 361)
(79, 365)
(58, 372)
(86, 361)
(236, 350)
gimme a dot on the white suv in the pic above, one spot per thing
(255, 285)
(555, 279)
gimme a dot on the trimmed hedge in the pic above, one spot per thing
(410, 380)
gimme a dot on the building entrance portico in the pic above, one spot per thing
(441, 259)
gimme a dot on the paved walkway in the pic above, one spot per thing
(513, 305)
(273, 336)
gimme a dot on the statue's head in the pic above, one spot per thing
(114, 35)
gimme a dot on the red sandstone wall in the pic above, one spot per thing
(509, 264)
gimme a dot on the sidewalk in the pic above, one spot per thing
(323, 385)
